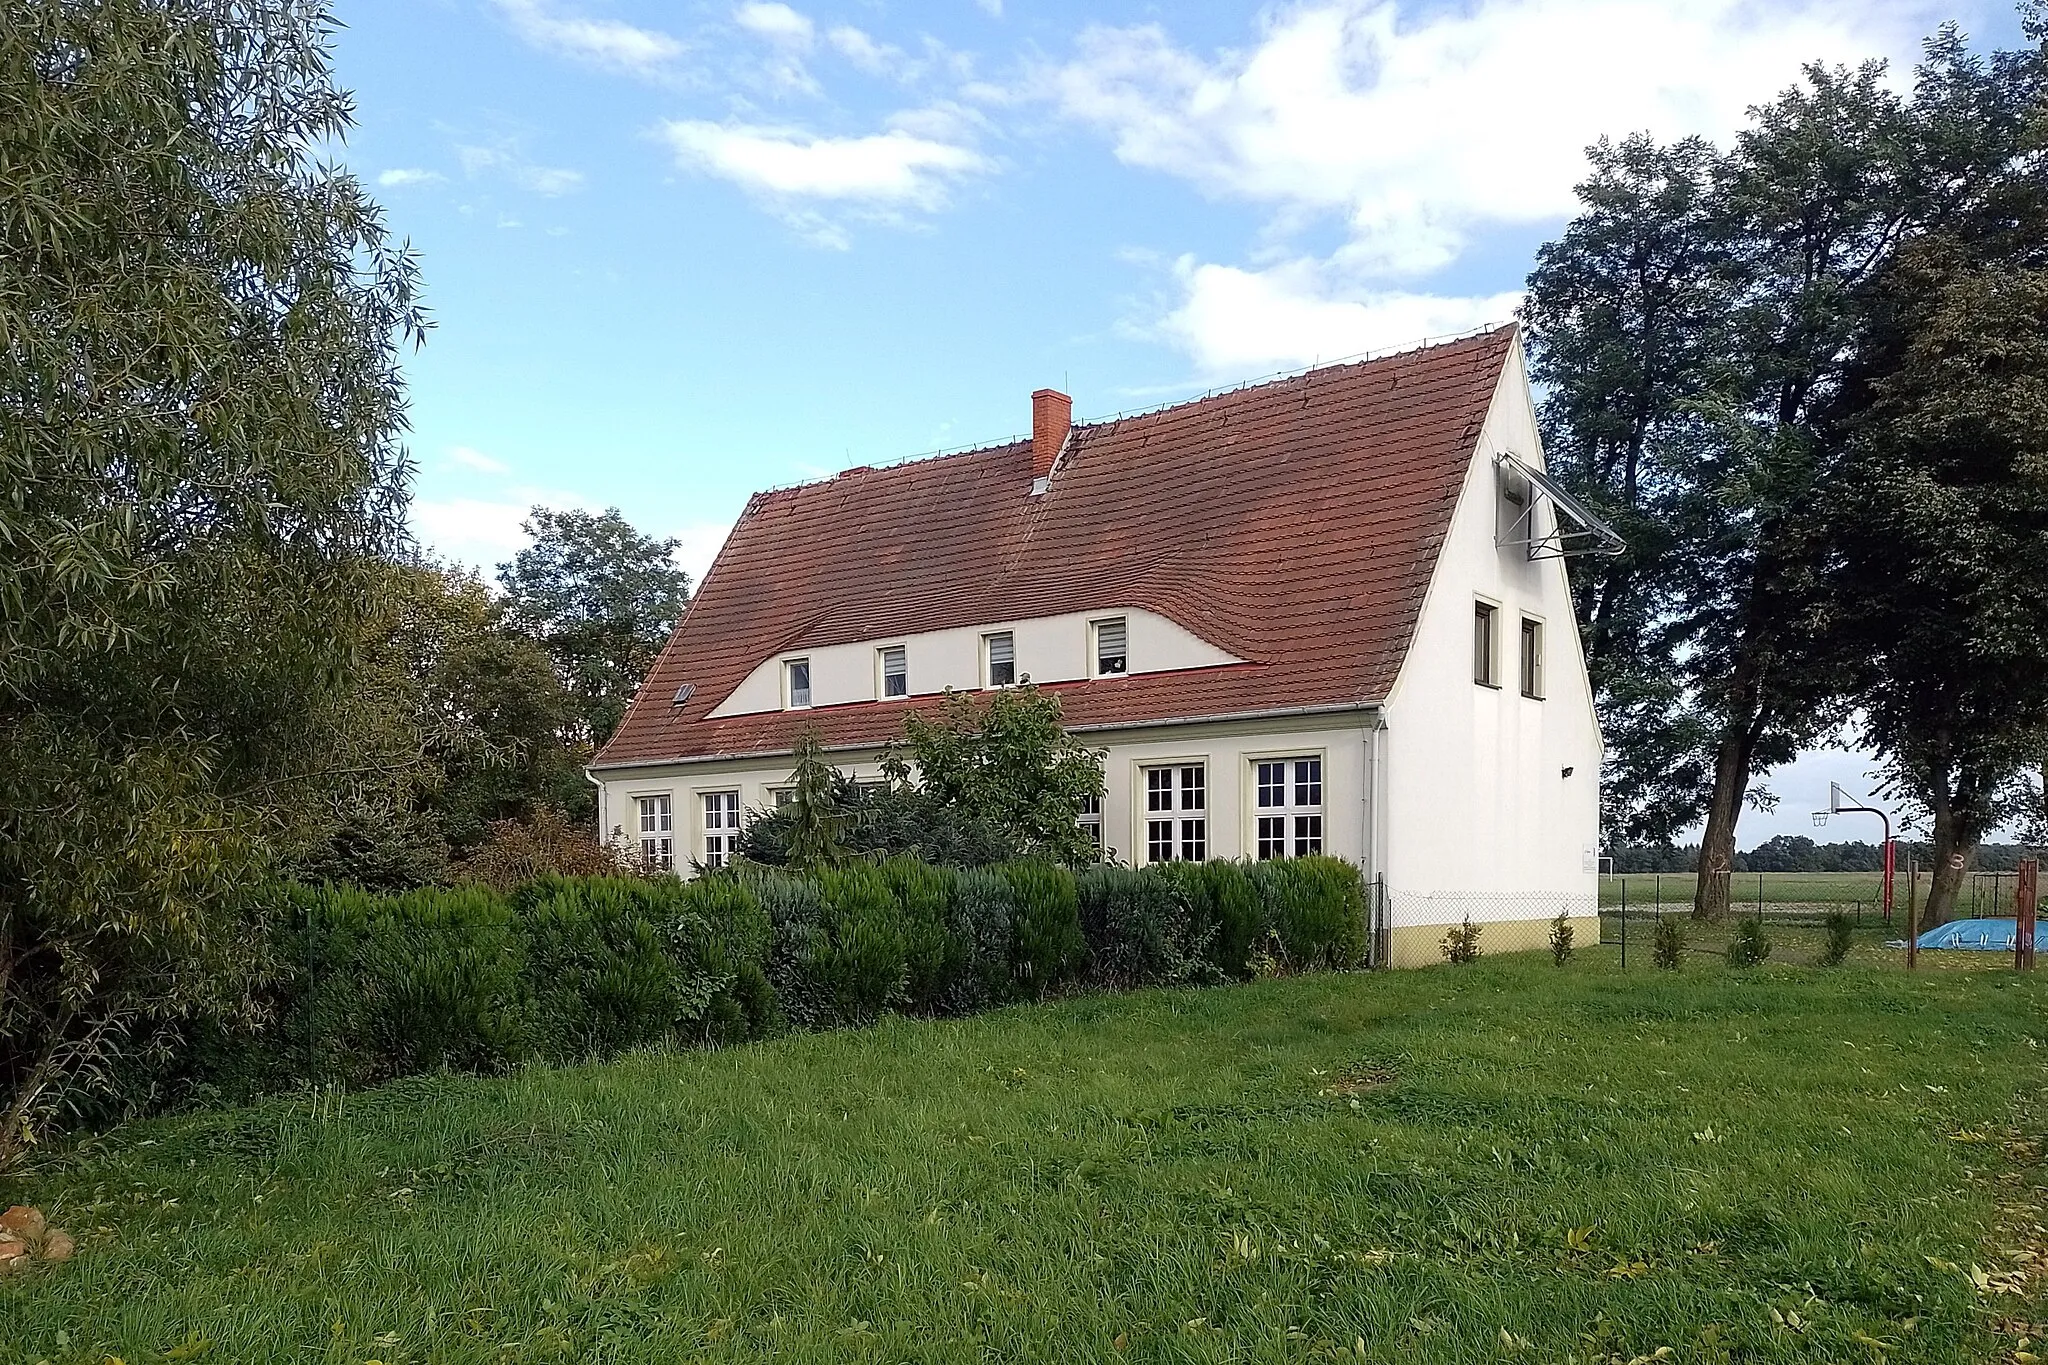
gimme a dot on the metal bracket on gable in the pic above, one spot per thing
(1574, 528)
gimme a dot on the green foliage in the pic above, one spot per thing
(862, 957)
(722, 937)
(395, 985)
(200, 412)
(815, 816)
(1007, 759)
(602, 600)
(1667, 943)
(933, 959)
(1460, 944)
(980, 924)
(1561, 938)
(1316, 909)
(800, 946)
(1047, 948)
(1747, 946)
(596, 968)
(1225, 897)
(1841, 932)
(1142, 927)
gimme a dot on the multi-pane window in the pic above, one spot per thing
(999, 656)
(1091, 821)
(895, 672)
(1111, 656)
(1177, 813)
(721, 827)
(798, 673)
(1484, 647)
(657, 832)
(1532, 658)
(783, 796)
(1289, 812)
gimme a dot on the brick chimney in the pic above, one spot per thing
(1052, 416)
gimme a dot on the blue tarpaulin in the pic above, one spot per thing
(1984, 935)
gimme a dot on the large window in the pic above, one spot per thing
(1532, 658)
(895, 666)
(1289, 807)
(1177, 813)
(721, 827)
(797, 676)
(999, 658)
(1111, 656)
(1485, 644)
(657, 832)
(1091, 821)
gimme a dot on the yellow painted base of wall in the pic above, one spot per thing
(1421, 945)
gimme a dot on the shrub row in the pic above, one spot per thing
(565, 969)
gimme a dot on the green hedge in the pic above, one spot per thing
(565, 969)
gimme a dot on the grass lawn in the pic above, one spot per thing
(1497, 1162)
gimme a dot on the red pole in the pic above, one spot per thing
(1891, 864)
(2026, 899)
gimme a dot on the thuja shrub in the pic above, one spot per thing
(1841, 934)
(979, 925)
(862, 959)
(719, 936)
(393, 985)
(1232, 907)
(1141, 927)
(1047, 948)
(1461, 944)
(1667, 943)
(932, 957)
(1747, 946)
(1315, 908)
(596, 969)
(800, 949)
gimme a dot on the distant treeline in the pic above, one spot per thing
(1797, 853)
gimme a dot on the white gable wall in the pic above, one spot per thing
(1479, 818)
(1049, 649)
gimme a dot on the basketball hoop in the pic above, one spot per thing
(1841, 803)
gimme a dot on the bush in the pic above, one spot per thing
(979, 926)
(1748, 947)
(1315, 908)
(596, 970)
(1046, 944)
(1841, 935)
(721, 940)
(799, 947)
(1225, 908)
(1461, 944)
(396, 985)
(1142, 929)
(924, 894)
(862, 964)
(1561, 938)
(1667, 943)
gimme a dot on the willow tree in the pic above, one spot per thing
(200, 413)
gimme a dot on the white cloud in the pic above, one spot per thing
(892, 170)
(701, 542)
(1234, 322)
(1419, 129)
(775, 22)
(877, 59)
(402, 176)
(603, 42)
(505, 158)
(470, 458)
(992, 8)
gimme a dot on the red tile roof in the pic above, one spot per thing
(1294, 524)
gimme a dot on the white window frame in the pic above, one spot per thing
(1090, 820)
(655, 822)
(778, 797)
(988, 671)
(882, 674)
(719, 812)
(1486, 642)
(1095, 668)
(789, 699)
(1174, 817)
(1529, 663)
(1290, 819)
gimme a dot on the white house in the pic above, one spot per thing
(1323, 614)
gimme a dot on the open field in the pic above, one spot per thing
(1783, 892)
(1497, 1162)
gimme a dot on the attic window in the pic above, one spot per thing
(999, 658)
(684, 693)
(1111, 658)
(797, 676)
(895, 672)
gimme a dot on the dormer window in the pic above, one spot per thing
(1111, 658)
(895, 668)
(999, 659)
(796, 675)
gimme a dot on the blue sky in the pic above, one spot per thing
(678, 252)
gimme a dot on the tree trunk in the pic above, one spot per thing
(1717, 843)
(1952, 856)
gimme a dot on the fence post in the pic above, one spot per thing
(1624, 924)
(2026, 903)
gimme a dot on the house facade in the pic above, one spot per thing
(1326, 614)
